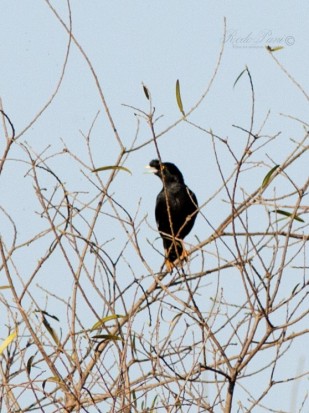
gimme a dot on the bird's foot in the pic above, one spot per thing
(179, 261)
(169, 265)
(184, 255)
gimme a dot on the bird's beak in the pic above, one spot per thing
(151, 170)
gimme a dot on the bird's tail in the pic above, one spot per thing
(174, 250)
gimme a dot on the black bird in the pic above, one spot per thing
(176, 210)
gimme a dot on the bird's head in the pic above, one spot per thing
(170, 171)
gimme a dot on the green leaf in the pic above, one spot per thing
(53, 379)
(104, 320)
(134, 398)
(268, 176)
(288, 214)
(51, 330)
(133, 339)
(29, 364)
(47, 314)
(239, 76)
(107, 337)
(274, 49)
(146, 92)
(8, 341)
(106, 168)
(154, 402)
(178, 98)
(4, 287)
(295, 288)
(176, 317)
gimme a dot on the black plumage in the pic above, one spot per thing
(176, 210)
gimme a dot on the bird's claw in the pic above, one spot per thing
(171, 264)
(184, 254)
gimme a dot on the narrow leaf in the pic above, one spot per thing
(274, 49)
(175, 318)
(4, 287)
(106, 168)
(104, 320)
(154, 402)
(133, 339)
(107, 337)
(47, 314)
(178, 97)
(51, 331)
(288, 214)
(29, 364)
(268, 176)
(239, 76)
(134, 398)
(53, 379)
(146, 92)
(295, 288)
(8, 341)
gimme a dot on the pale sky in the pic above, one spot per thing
(155, 43)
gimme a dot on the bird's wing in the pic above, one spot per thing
(192, 197)
(161, 213)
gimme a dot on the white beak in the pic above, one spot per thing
(151, 169)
